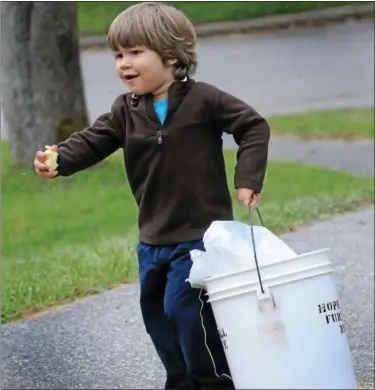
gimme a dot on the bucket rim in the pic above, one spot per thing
(274, 281)
(240, 271)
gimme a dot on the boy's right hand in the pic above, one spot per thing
(40, 164)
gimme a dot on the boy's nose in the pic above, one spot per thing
(125, 63)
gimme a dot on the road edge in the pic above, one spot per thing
(268, 23)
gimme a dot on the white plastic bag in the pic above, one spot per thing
(229, 249)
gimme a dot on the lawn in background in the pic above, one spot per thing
(96, 17)
(71, 237)
(348, 124)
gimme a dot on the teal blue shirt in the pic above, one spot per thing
(161, 109)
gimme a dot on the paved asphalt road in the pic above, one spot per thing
(101, 342)
(282, 72)
(287, 71)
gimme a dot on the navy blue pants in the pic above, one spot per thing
(179, 320)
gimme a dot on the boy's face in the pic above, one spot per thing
(143, 71)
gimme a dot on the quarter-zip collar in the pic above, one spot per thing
(176, 92)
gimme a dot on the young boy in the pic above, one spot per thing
(170, 129)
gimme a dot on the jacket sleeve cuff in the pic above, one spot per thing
(246, 183)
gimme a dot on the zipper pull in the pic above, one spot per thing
(160, 137)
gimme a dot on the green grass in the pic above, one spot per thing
(68, 238)
(96, 17)
(349, 124)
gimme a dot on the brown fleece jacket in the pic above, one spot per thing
(176, 170)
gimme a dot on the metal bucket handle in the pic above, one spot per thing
(253, 240)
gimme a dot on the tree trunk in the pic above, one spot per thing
(43, 97)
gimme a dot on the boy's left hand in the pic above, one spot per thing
(247, 197)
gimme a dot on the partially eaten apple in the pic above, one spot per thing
(51, 161)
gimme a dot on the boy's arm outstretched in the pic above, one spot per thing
(251, 133)
(87, 147)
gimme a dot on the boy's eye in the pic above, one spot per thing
(118, 56)
(135, 52)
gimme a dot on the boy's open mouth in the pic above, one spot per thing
(130, 77)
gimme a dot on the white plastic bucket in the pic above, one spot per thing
(292, 336)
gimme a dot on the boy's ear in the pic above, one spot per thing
(171, 62)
